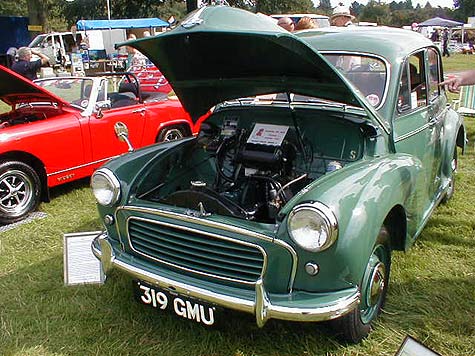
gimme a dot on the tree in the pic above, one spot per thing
(325, 7)
(13, 8)
(284, 6)
(191, 5)
(465, 8)
(376, 12)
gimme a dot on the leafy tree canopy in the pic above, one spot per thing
(59, 15)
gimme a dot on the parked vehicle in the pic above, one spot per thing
(150, 78)
(59, 46)
(60, 129)
(301, 183)
(320, 20)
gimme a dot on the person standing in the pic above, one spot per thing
(445, 43)
(341, 16)
(130, 50)
(27, 68)
(435, 35)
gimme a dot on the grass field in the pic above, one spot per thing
(431, 295)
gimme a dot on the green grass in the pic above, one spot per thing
(431, 296)
(458, 62)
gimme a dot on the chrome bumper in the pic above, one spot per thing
(263, 307)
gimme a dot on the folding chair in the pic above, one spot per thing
(465, 105)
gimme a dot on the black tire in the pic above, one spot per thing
(356, 325)
(171, 133)
(20, 191)
(451, 188)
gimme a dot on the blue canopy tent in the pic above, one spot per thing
(86, 25)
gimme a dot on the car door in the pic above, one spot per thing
(437, 114)
(132, 113)
(416, 126)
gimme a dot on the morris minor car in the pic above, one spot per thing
(60, 129)
(324, 152)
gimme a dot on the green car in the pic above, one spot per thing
(319, 153)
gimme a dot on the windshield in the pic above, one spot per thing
(368, 74)
(37, 41)
(75, 90)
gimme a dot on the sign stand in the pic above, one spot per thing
(80, 264)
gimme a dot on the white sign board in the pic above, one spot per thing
(80, 264)
(267, 134)
(412, 347)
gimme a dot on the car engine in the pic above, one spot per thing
(255, 172)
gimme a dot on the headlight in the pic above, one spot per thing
(105, 187)
(313, 226)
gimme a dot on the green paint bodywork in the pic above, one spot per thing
(399, 169)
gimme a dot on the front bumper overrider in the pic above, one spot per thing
(295, 306)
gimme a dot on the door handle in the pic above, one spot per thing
(138, 110)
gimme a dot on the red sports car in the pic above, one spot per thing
(60, 129)
(151, 79)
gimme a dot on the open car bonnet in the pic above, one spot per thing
(220, 53)
(15, 89)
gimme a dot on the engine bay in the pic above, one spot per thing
(250, 169)
(27, 114)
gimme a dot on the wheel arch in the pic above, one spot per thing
(35, 163)
(461, 139)
(184, 125)
(396, 223)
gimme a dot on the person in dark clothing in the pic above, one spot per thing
(27, 68)
(445, 43)
(435, 36)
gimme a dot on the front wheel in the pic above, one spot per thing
(20, 190)
(356, 325)
(171, 133)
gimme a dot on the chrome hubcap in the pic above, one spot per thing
(376, 285)
(15, 191)
(173, 134)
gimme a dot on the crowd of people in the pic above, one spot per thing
(341, 17)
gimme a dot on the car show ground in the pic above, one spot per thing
(430, 297)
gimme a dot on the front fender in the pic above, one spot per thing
(361, 197)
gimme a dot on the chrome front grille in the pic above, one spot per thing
(196, 251)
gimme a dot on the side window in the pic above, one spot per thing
(434, 74)
(413, 86)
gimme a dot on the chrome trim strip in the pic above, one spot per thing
(216, 225)
(264, 265)
(197, 220)
(81, 166)
(412, 133)
(261, 307)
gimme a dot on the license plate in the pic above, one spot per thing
(184, 307)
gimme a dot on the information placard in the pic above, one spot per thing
(80, 264)
(412, 347)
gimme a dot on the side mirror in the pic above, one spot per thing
(122, 133)
(104, 105)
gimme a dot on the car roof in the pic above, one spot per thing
(389, 42)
